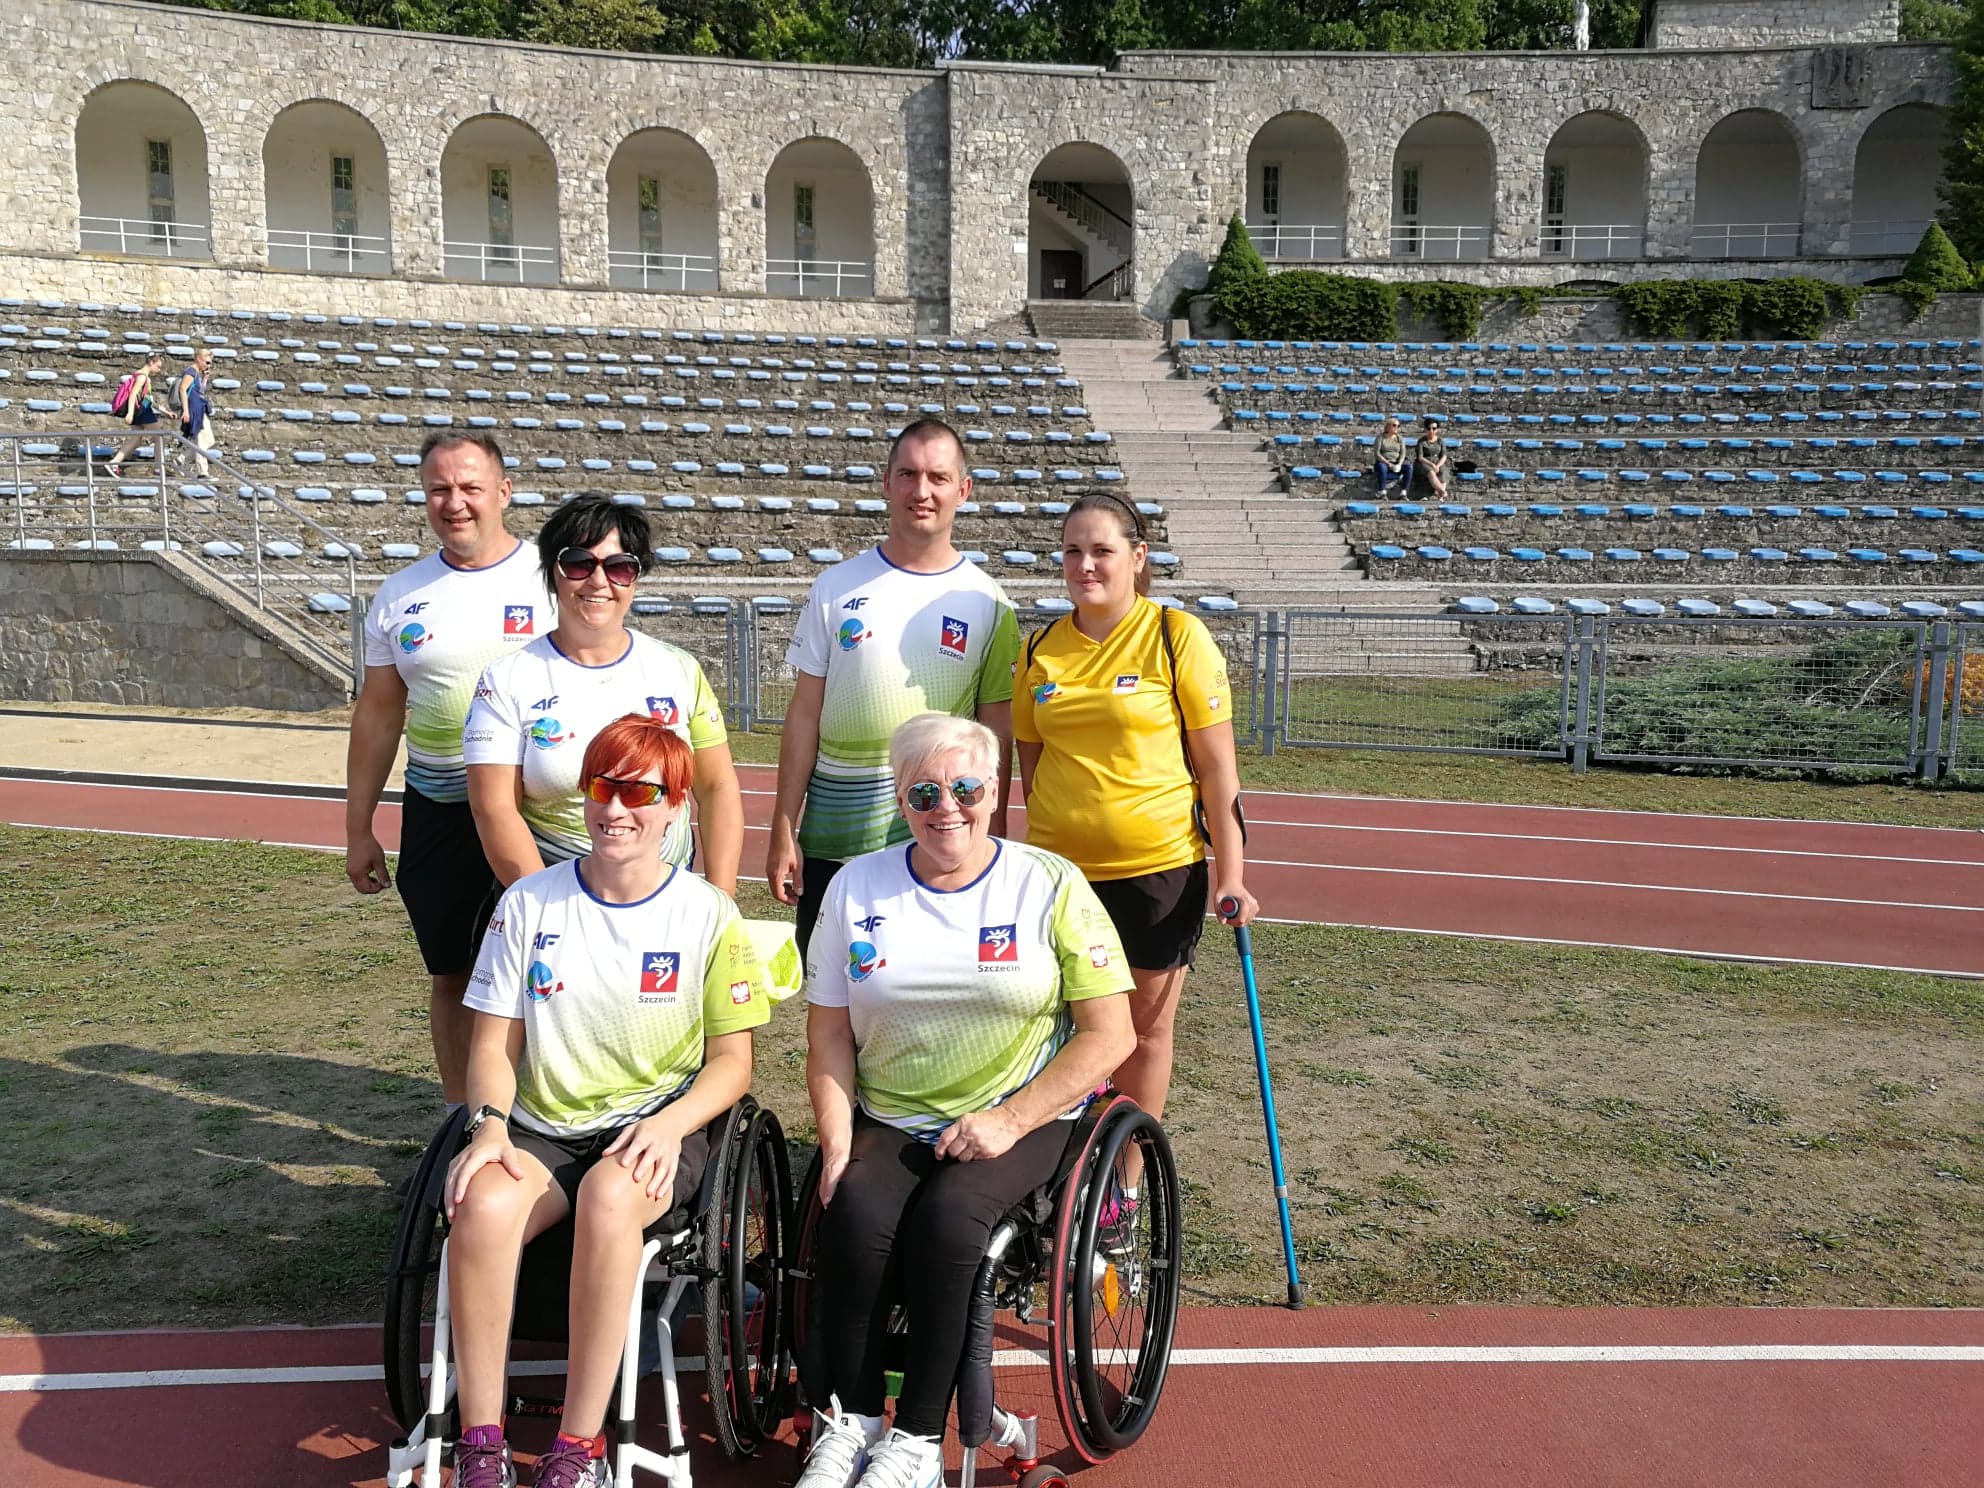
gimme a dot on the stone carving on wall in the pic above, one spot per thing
(1839, 77)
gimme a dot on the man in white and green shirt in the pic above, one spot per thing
(430, 631)
(907, 627)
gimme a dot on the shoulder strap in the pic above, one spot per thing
(1184, 744)
(1033, 641)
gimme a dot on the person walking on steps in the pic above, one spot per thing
(133, 404)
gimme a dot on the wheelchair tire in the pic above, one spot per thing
(413, 1274)
(744, 1265)
(806, 1215)
(1114, 1299)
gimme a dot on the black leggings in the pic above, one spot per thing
(905, 1227)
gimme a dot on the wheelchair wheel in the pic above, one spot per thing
(744, 1289)
(1114, 1283)
(414, 1274)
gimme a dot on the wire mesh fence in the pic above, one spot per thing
(1965, 701)
(1759, 693)
(1497, 684)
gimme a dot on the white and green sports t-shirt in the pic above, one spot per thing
(439, 626)
(616, 999)
(891, 644)
(958, 998)
(539, 710)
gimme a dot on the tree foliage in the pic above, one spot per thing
(1931, 20)
(1936, 263)
(1963, 157)
(1237, 260)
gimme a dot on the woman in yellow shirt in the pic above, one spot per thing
(1123, 720)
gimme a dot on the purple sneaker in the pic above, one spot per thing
(482, 1459)
(571, 1465)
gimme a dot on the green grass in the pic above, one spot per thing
(216, 1068)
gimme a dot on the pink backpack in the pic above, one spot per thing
(121, 403)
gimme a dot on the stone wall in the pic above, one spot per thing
(119, 628)
(1750, 23)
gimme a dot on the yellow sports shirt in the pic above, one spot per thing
(1112, 791)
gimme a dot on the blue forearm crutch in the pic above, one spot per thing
(1245, 941)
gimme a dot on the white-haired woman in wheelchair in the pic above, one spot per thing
(614, 999)
(965, 994)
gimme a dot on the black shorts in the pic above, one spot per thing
(569, 1159)
(445, 882)
(814, 876)
(1159, 917)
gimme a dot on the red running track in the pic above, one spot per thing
(1840, 893)
(1371, 1397)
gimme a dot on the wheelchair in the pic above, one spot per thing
(730, 1241)
(1107, 1289)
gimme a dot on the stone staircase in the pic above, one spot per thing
(1228, 517)
(1104, 320)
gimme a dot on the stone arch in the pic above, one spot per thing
(1081, 224)
(819, 221)
(141, 172)
(1443, 189)
(1749, 187)
(499, 202)
(1897, 175)
(661, 191)
(327, 186)
(1594, 188)
(1298, 188)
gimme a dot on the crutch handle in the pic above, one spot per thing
(1228, 908)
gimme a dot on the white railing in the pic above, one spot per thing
(500, 263)
(1113, 285)
(818, 278)
(635, 270)
(1286, 242)
(1745, 240)
(1591, 240)
(326, 252)
(142, 236)
(1885, 237)
(1097, 220)
(1440, 240)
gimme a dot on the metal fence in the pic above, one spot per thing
(1965, 704)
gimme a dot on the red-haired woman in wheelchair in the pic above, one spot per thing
(965, 994)
(614, 998)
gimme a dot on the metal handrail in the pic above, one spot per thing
(1606, 240)
(183, 528)
(1720, 239)
(1873, 236)
(652, 267)
(1303, 244)
(143, 237)
(1117, 280)
(497, 260)
(343, 251)
(1444, 239)
(839, 272)
(1097, 217)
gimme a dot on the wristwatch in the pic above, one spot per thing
(487, 1113)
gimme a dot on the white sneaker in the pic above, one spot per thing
(905, 1461)
(840, 1448)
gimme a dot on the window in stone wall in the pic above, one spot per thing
(1556, 188)
(1405, 230)
(1271, 192)
(502, 227)
(344, 199)
(650, 214)
(804, 239)
(159, 193)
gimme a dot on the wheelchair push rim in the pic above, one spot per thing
(745, 1287)
(412, 1275)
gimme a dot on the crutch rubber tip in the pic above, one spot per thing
(1295, 1295)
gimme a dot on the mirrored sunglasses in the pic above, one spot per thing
(603, 788)
(577, 565)
(966, 790)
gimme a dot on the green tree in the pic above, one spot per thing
(1238, 259)
(1936, 263)
(607, 25)
(1963, 157)
(1931, 20)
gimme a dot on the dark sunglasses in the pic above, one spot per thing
(966, 790)
(603, 788)
(577, 565)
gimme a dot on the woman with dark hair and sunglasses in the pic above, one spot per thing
(536, 710)
(1122, 715)
(614, 1001)
(965, 998)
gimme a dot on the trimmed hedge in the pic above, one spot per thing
(1304, 305)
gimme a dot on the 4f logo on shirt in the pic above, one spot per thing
(867, 926)
(519, 620)
(998, 945)
(545, 705)
(1127, 682)
(856, 603)
(852, 634)
(416, 607)
(955, 633)
(659, 976)
(663, 710)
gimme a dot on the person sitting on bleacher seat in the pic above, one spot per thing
(1393, 469)
(1432, 458)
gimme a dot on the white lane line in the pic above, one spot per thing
(1740, 1353)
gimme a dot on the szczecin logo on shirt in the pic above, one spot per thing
(519, 620)
(1127, 682)
(1044, 691)
(541, 981)
(852, 634)
(952, 640)
(663, 710)
(998, 945)
(863, 960)
(413, 637)
(659, 976)
(546, 733)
